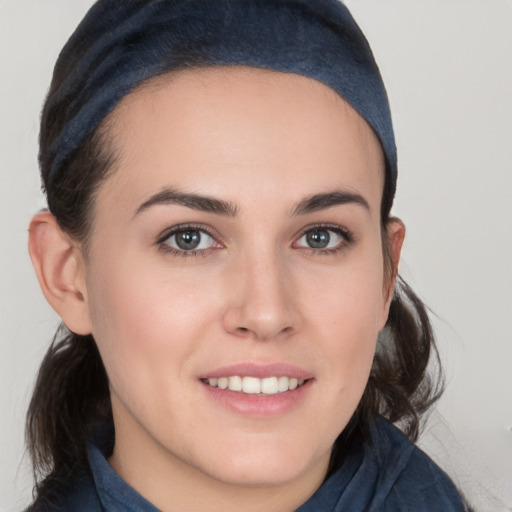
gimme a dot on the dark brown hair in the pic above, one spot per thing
(71, 396)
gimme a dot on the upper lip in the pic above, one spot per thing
(260, 370)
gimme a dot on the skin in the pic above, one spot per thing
(262, 142)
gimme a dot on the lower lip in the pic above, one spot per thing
(259, 405)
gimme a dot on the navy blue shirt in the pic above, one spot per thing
(389, 474)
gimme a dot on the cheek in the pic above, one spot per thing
(347, 311)
(348, 299)
(144, 322)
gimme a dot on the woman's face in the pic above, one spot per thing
(237, 243)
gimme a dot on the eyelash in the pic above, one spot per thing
(348, 239)
(164, 246)
(345, 234)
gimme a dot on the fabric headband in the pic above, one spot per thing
(121, 43)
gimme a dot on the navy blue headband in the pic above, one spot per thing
(121, 43)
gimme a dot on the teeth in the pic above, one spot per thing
(255, 386)
(251, 385)
(269, 386)
(282, 384)
(235, 383)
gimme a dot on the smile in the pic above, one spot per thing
(256, 386)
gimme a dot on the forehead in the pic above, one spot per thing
(218, 130)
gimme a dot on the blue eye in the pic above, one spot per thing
(189, 239)
(322, 238)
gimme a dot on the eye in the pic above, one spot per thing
(189, 239)
(322, 238)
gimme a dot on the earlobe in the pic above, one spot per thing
(60, 271)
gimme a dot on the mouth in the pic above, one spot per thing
(259, 390)
(249, 385)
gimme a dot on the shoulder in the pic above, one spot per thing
(77, 494)
(387, 473)
(407, 477)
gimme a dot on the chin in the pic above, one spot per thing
(266, 465)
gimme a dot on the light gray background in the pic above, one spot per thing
(448, 69)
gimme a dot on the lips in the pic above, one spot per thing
(258, 389)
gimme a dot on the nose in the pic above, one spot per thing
(261, 304)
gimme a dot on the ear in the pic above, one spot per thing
(60, 271)
(395, 230)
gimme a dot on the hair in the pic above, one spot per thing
(72, 397)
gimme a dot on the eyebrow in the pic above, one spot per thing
(190, 200)
(326, 200)
(209, 204)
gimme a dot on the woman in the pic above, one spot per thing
(220, 248)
